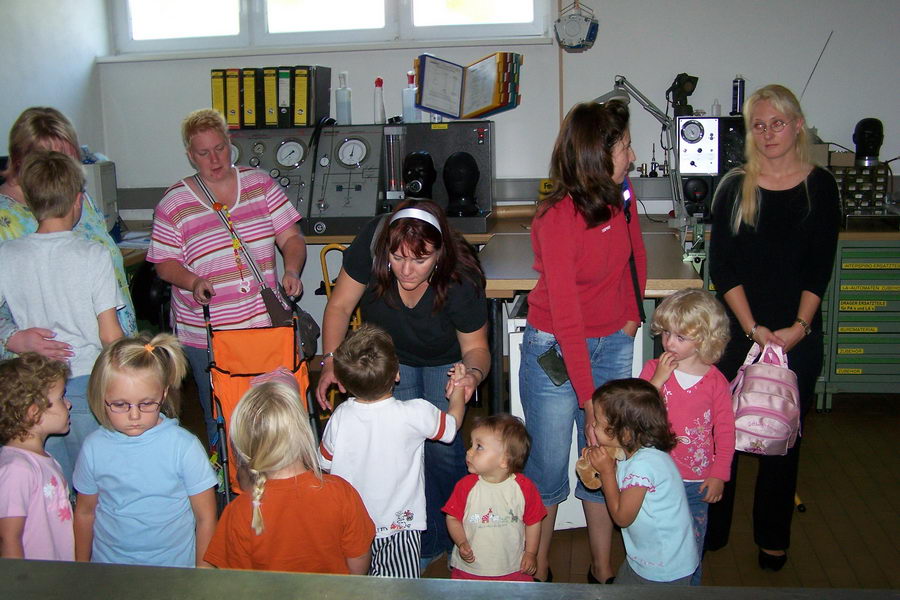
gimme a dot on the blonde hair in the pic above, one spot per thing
(697, 315)
(37, 128)
(51, 182)
(269, 432)
(203, 119)
(160, 354)
(746, 210)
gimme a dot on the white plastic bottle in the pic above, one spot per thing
(379, 101)
(342, 100)
(410, 113)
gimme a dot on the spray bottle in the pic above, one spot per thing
(342, 99)
(379, 101)
(410, 113)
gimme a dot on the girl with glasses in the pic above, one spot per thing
(145, 485)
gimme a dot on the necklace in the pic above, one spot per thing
(235, 245)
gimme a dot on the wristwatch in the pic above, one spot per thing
(806, 328)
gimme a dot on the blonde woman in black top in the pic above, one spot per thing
(774, 235)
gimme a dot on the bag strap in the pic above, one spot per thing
(774, 355)
(232, 231)
(626, 194)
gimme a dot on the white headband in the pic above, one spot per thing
(417, 213)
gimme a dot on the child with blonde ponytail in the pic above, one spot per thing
(292, 516)
(145, 485)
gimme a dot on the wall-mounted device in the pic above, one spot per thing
(284, 154)
(441, 141)
(708, 147)
(339, 185)
(348, 184)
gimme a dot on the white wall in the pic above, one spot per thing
(48, 49)
(649, 41)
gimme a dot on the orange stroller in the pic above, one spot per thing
(235, 357)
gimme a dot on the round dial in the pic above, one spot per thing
(258, 147)
(235, 154)
(254, 161)
(290, 153)
(352, 152)
(692, 132)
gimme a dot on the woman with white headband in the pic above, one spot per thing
(421, 282)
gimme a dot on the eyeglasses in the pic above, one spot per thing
(120, 406)
(776, 126)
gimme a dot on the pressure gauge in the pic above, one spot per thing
(258, 148)
(254, 161)
(235, 154)
(692, 132)
(290, 153)
(352, 152)
(324, 161)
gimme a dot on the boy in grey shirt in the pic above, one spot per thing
(56, 280)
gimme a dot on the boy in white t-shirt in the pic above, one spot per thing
(55, 279)
(376, 443)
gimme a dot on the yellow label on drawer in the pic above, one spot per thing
(857, 330)
(861, 304)
(849, 371)
(869, 288)
(851, 351)
(871, 266)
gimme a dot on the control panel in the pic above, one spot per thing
(283, 153)
(347, 185)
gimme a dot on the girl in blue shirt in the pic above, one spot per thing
(145, 485)
(644, 492)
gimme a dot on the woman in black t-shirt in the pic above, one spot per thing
(421, 282)
(774, 236)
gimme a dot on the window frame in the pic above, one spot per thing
(254, 35)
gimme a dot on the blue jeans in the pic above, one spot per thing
(199, 360)
(445, 464)
(699, 510)
(65, 448)
(550, 410)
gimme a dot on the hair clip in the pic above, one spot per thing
(149, 347)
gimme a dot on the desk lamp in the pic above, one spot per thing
(624, 91)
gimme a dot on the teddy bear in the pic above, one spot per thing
(586, 471)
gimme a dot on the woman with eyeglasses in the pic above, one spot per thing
(774, 235)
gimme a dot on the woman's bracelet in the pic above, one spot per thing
(752, 331)
(326, 357)
(806, 328)
(477, 369)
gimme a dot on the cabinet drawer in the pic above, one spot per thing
(863, 322)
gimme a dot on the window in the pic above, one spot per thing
(164, 25)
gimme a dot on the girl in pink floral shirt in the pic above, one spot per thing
(694, 331)
(35, 512)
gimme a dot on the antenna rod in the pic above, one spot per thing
(815, 66)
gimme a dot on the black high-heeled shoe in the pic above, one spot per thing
(771, 562)
(592, 579)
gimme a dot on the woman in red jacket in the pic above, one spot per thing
(583, 308)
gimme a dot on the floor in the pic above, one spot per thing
(848, 536)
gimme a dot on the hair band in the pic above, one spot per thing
(417, 213)
(149, 347)
(256, 503)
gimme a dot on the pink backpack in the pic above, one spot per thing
(766, 403)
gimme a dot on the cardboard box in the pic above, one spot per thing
(842, 159)
(820, 154)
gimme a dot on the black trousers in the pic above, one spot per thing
(776, 480)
